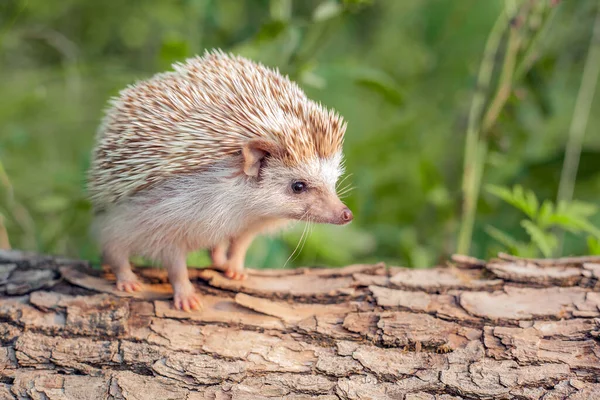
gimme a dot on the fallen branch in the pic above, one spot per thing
(497, 330)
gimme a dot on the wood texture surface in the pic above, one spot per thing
(507, 328)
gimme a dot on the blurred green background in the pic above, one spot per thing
(402, 72)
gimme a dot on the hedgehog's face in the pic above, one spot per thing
(302, 192)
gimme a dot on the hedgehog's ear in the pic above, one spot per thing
(255, 152)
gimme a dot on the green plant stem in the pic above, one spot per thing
(281, 10)
(534, 50)
(471, 196)
(476, 142)
(4, 181)
(579, 122)
(506, 81)
(4, 242)
(17, 211)
(474, 150)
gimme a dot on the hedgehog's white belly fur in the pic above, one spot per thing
(185, 213)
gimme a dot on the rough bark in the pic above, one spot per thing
(508, 328)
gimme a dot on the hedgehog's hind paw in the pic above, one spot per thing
(236, 274)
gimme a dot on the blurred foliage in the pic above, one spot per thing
(542, 220)
(403, 73)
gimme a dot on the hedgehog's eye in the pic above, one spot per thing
(299, 186)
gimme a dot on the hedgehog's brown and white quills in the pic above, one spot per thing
(209, 156)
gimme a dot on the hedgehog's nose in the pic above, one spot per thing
(347, 215)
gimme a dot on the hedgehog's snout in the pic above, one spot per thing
(343, 217)
(347, 216)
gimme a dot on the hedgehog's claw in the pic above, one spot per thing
(187, 301)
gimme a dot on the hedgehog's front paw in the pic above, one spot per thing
(235, 272)
(128, 283)
(185, 299)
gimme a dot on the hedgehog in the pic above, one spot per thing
(207, 156)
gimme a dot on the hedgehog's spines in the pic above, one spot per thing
(203, 110)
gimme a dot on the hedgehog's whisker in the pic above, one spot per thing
(297, 246)
(342, 180)
(304, 231)
(346, 190)
(309, 225)
(339, 185)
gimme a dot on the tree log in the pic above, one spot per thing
(507, 328)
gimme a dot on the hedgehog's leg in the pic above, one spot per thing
(218, 255)
(185, 297)
(234, 268)
(118, 260)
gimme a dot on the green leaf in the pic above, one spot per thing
(588, 227)
(135, 31)
(593, 245)
(281, 10)
(513, 197)
(273, 45)
(307, 75)
(564, 221)
(421, 257)
(577, 208)
(574, 224)
(527, 250)
(311, 79)
(532, 204)
(545, 213)
(525, 201)
(502, 193)
(546, 242)
(373, 79)
(502, 237)
(51, 203)
(358, 2)
(269, 31)
(327, 10)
